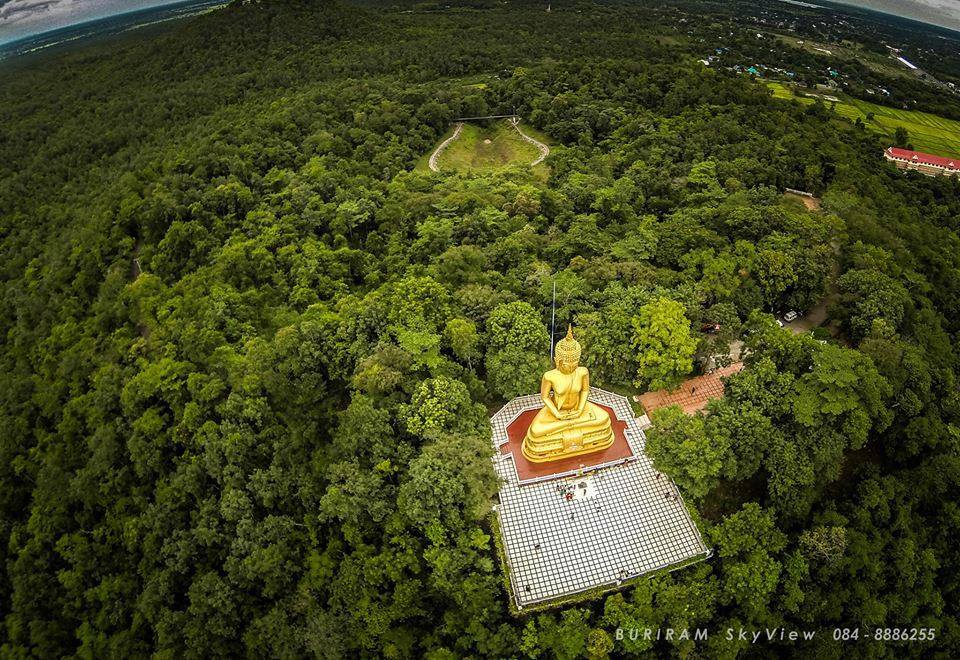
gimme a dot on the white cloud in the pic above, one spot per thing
(938, 12)
(14, 10)
(22, 18)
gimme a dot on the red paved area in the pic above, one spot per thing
(693, 394)
(528, 470)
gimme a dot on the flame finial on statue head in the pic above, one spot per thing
(568, 349)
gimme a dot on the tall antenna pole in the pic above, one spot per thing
(553, 318)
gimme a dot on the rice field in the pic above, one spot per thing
(930, 133)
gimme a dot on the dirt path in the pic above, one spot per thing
(544, 149)
(444, 145)
(812, 203)
(814, 317)
(817, 315)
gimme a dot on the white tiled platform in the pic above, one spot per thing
(620, 521)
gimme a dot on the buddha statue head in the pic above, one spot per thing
(566, 355)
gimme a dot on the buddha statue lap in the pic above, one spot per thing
(568, 424)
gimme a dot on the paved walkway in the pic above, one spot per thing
(814, 317)
(692, 395)
(544, 149)
(443, 145)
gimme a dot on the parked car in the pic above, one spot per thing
(790, 316)
(780, 323)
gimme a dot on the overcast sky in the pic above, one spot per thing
(21, 18)
(939, 12)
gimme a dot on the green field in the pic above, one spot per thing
(847, 50)
(486, 148)
(929, 133)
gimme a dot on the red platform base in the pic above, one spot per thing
(527, 470)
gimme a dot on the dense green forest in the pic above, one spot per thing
(247, 355)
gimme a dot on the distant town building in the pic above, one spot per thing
(927, 164)
(908, 64)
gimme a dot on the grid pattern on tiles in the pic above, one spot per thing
(586, 469)
(502, 420)
(504, 417)
(555, 547)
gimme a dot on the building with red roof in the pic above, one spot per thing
(927, 164)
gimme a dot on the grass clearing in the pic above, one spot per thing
(486, 148)
(929, 133)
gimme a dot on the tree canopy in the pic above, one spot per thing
(250, 344)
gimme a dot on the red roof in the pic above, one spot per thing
(924, 159)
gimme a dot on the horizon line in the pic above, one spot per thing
(80, 24)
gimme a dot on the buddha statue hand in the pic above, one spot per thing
(568, 424)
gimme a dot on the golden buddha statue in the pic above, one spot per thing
(567, 425)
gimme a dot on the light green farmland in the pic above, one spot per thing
(930, 133)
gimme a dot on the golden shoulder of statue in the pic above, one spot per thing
(568, 424)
